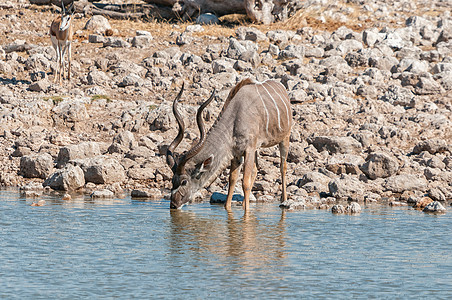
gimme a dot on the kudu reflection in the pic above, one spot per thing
(245, 239)
(254, 115)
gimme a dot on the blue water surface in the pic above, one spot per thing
(131, 249)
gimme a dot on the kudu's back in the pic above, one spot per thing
(260, 113)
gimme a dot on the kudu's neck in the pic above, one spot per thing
(219, 143)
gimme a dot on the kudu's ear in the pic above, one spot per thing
(203, 167)
(206, 164)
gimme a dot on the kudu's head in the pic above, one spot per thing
(66, 15)
(186, 176)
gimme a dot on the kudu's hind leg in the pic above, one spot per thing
(283, 152)
(249, 174)
(233, 175)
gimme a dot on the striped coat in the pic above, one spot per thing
(255, 115)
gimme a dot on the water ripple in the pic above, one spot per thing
(134, 249)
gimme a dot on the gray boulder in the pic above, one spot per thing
(5, 67)
(348, 46)
(140, 152)
(442, 67)
(346, 187)
(36, 166)
(102, 170)
(405, 182)
(397, 95)
(380, 165)
(292, 51)
(69, 178)
(237, 48)
(445, 35)
(335, 144)
(314, 182)
(123, 142)
(80, 151)
(184, 38)
(142, 41)
(428, 86)
(37, 62)
(42, 85)
(370, 38)
(433, 146)
(96, 77)
(96, 38)
(131, 80)
(98, 24)
(221, 65)
(138, 173)
(279, 36)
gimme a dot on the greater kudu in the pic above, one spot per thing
(61, 33)
(254, 115)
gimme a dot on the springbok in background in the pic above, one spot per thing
(61, 32)
(254, 115)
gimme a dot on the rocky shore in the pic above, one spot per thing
(370, 85)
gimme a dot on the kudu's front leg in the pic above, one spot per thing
(233, 175)
(283, 152)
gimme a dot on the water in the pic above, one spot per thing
(123, 248)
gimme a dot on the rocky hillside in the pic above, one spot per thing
(370, 84)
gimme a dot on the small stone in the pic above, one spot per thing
(39, 203)
(423, 202)
(154, 194)
(102, 194)
(434, 207)
(32, 194)
(220, 198)
(397, 203)
(338, 209)
(299, 203)
(207, 19)
(353, 208)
